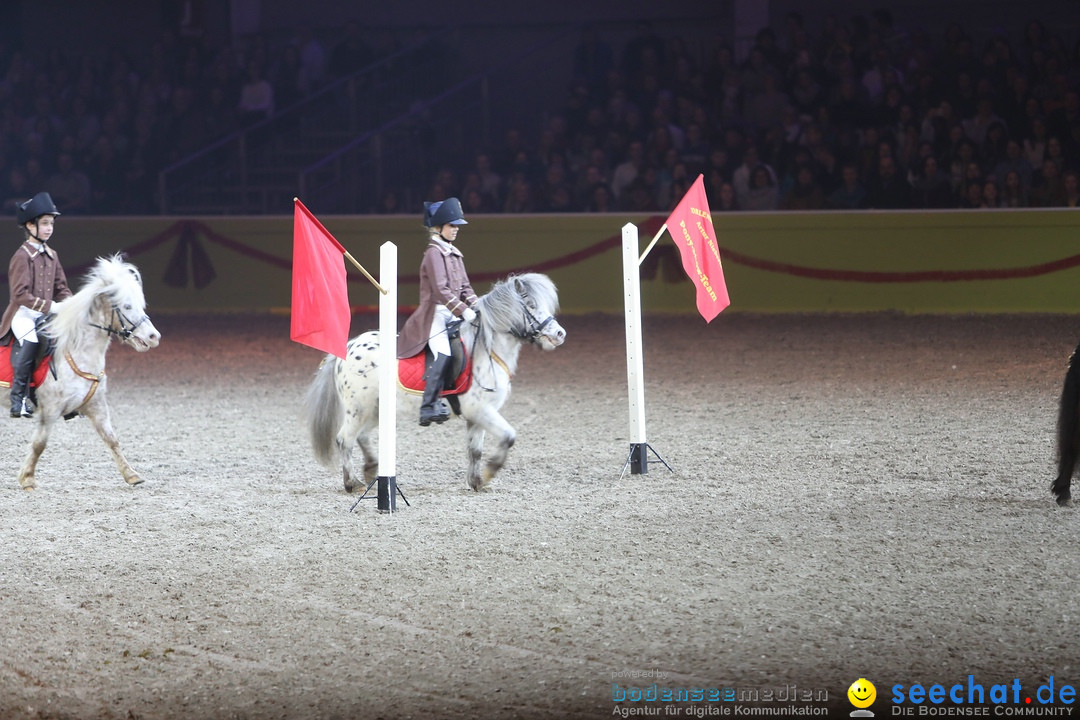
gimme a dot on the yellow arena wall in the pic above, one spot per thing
(983, 261)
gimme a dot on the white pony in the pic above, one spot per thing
(342, 403)
(110, 303)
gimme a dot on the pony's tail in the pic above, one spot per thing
(1068, 430)
(324, 412)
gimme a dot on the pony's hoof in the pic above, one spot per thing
(134, 480)
(29, 488)
(1065, 501)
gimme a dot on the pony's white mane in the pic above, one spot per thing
(111, 278)
(500, 309)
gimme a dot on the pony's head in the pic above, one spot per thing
(111, 300)
(525, 306)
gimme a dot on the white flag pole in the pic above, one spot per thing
(388, 308)
(638, 459)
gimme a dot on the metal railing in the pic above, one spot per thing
(404, 154)
(253, 169)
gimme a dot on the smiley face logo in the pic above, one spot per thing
(862, 693)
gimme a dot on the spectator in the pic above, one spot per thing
(991, 196)
(1070, 181)
(1049, 188)
(593, 59)
(763, 193)
(742, 177)
(312, 60)
(1014, 194)
(1014, 161)
(888, 190)
(806, 194)
(476, 202)
(256, 96)
(1035, 143)
(972, 196)
(69, 185)
(287, 82)
(628, 170)
(726, 199)
(15, 190)
(1055, 152)
(976, 126)
(765, 108)
(1064, 120)
(351, 54)
(933, 188)
(106, 175)
(520, 197)
(601, 199)
(993, 149)
(851, 194)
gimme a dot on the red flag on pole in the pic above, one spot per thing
(691, 227)
(320, 297)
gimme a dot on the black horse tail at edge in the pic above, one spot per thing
(1068, 431)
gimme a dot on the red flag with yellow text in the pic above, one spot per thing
(691, 227)
(320, 296)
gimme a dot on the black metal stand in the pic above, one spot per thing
(386, 494)
(638, 459)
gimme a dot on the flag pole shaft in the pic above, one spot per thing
(366, 273)
(654, 240)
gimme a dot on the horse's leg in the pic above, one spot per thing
(474, 435)
(356, 430)
(371, 457)
(99, 416)
(1068, 432)
(503, 436)
(37, 446)
(346, 439)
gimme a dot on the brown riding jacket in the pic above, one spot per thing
(36, 280)
(443, 280)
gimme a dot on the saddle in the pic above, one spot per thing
(41, 366)
(411, 370)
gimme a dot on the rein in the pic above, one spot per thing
(535, 329)
(127, 328)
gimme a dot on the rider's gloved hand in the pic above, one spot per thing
(468, 315)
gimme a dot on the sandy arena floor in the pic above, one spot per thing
(855, 496)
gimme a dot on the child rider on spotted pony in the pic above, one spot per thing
(445, 296)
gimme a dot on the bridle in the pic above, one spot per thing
(126, 326)
(535, 327)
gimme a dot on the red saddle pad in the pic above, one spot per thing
(411, 376)
(6, 376)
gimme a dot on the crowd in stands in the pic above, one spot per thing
(860, 113)
(94, 131)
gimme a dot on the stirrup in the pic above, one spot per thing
(439, 414)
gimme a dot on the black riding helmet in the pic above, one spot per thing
(437, 214)
(35, 207)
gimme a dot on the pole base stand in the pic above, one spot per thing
(638, 459)
(386, 494)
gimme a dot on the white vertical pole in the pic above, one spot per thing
(388, 308)
(635, 374)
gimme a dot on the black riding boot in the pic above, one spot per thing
(433, 409)
(22, 367)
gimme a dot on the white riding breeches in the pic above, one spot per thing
(22, 325)
(438, 340)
